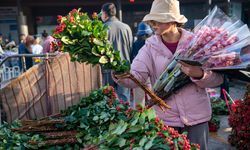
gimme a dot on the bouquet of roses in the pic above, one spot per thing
(216, 37)
(232, 60)
(85, 39)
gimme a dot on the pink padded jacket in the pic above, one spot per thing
(190, 105)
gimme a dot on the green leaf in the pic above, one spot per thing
(161, 146)
(143, 141)
(122, 126)
(82, 125)
(103, 60)
(142, 118)
(96, 118)
(112, 126)
(85, 33)
(101, 50)
(150, 113)
(135, 128)
(137, 148)
(176, 144)
(135, 119)
(112, 139)
(103, 115)
(79, 140)
(98, 42)
(96, 31)
(70, 119)
(94, 51)
(121, 142)
(149, 144)
(114, 63)
(66, 40)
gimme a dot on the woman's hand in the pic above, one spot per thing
(119, 76)
(192, 71)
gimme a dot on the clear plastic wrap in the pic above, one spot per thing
(219, 42)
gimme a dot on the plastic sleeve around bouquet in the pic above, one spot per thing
(236, 56)
(171, 80)
(233, 61)
(224, 40)
(214, 32)
(212, 28)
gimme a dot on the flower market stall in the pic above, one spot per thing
(103, 121)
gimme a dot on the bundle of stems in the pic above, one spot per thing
(68, 140)
(48, 129)
(156, 100)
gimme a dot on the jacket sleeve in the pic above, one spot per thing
(139, 68)
(210, 79)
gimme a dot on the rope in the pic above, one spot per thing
(226, 95)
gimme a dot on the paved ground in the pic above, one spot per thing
(218, 140)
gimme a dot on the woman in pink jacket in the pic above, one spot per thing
(190, 106)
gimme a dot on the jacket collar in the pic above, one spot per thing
(113, 18)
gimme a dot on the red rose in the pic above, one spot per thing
(59, 18)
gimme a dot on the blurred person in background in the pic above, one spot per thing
(143, 32)
(2, 42)
(47, 40)
(120, 35)
(37, 49)
(1, 50)
(36, 46)
(25, 48)
(22, 38)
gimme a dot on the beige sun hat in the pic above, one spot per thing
(165, 11)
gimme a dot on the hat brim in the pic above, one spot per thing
(165, 18)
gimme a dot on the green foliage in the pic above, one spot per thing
(219, 106)
(86, 40)
(13, 140)
(101, 118)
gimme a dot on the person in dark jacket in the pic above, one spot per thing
(120, 35)
(25, 48)
(143, 32)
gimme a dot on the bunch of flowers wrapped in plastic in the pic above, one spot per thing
(219, 42)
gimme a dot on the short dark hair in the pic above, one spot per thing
(109, 8)
(45, 34)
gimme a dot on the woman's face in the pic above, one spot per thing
(161, 28)
(104, 16)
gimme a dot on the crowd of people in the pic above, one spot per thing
(28, 44)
